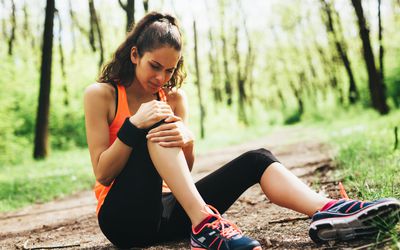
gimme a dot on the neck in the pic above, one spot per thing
(136, 91)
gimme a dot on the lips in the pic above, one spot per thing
(154, 86)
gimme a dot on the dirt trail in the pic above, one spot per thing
(71, 221)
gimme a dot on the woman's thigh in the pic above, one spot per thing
(131, 212)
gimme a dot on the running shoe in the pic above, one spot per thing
(219, 233)
(349, 219)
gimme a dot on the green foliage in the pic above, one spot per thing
(367, 159)
(39, 181)
(393, 87)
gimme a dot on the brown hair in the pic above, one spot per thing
(153, 31)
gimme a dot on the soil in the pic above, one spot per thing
(70, 223)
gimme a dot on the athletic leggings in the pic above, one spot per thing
(136, 213)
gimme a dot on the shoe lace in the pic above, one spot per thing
(343, 191)
(227, 229)
(346, 197)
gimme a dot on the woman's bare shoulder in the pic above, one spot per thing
(99, 100)
(175, 95)
(100, 90)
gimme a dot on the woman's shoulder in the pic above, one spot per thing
(175, 95)
(98, 90)
(176, 98)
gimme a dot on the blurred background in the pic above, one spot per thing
(252, 66)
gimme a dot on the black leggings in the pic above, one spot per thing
(137, 213)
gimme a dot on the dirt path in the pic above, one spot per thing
(72, 222)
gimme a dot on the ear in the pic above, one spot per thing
(134, 55)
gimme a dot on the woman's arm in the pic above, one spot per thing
(107, 161)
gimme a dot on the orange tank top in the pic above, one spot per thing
(122, 112)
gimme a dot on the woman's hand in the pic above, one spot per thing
(173, 133)
(150, 113)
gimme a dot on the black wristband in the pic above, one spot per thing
(130, 135)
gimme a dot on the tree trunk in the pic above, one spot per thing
(25, 27)
(91, 25)
(129, 8)
(42, 120)
(381, 50)
(241, 80)
(71, 14)
(353, 92)
(376, 86)
(227, 81)
(95, 30)
(326, 67)
(75, 22)
(62, 60)
(146, 6)
(198, 82)
(250, 59)
(11, 39)
(214, 69)
(228, 86)
(297, 94)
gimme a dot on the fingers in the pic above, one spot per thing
(171, 144)
(167, 135)
(162, 127)
(163, 134)
(173, 118)
(176, 138)
(161, 110)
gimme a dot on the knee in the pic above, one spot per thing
(260, 157)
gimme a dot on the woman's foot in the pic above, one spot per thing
(348, 219)
(216, 232)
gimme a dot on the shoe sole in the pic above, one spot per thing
(382, 216)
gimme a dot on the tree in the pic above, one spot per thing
(376, 87)
(62, 59)
(214, 63)
(214, 68)
(129, 8)
(198, 82)
(146, 6)
(11, 39)
(381, 50)
(228, 80)
(42, 119)
(95, 31)
(341, 49)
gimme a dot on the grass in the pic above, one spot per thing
(39, 181)
(368, 163)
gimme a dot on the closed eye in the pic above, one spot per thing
(155, 66)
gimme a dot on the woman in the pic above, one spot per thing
(136, 125)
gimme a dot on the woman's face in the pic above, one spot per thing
(155, 68)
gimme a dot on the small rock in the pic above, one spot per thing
(331, 243)
(268, 242)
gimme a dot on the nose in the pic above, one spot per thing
(160, 77)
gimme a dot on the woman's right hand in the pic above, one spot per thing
(150, 113)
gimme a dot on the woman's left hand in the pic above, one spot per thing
(173, 133)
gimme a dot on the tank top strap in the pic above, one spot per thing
(123, 101)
